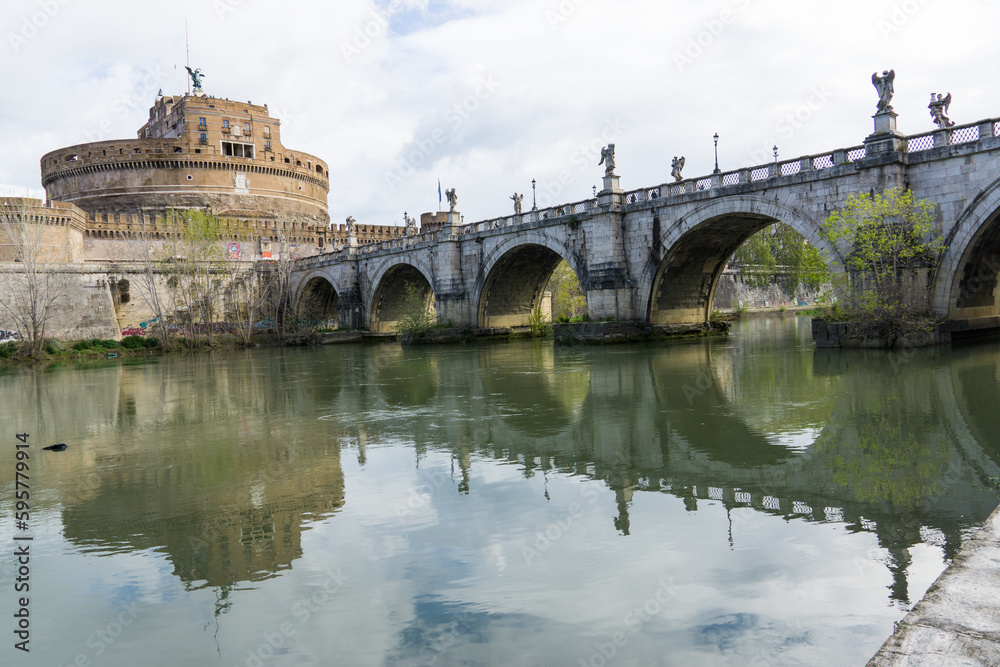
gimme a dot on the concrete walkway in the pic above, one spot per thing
(958, 621)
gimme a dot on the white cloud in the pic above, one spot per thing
(564, 68)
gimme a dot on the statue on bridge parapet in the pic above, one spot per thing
(883, 84)
(410, 225)
(608, 158)
(352, 226)
(675, 168)
(939, 110)
(452, 199)
(517, 203)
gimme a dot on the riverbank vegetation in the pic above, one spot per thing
(893, 247)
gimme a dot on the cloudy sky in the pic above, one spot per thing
(486, 95)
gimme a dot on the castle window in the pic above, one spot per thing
(202, 123)
(203, 138)
(234, 149)
(319, 169)
(267, 130)
(225, 126)
(267, 145)
(177, 149)
(246, 127)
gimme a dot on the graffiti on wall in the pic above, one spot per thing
(6, 336)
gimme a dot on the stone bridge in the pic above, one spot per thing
(656, 254)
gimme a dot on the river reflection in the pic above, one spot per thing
(715, 502)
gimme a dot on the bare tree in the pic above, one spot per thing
(281, 295)
(30, 284)
(247, 293)
(143, 252)
(194, 263)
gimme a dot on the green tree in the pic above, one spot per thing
(891, 246)
(568, 300)
(417, 314)
(779, 253)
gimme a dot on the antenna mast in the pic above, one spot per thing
(187, 52)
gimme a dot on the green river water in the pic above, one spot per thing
(740, 501)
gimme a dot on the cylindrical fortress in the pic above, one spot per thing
(197, 152)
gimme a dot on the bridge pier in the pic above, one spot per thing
(449, 284)
(655, 254)
(608, 284)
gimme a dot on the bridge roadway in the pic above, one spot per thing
(655, 254)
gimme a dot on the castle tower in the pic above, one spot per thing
(196, 152)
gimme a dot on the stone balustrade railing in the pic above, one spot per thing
(531, 216)
(959, 134)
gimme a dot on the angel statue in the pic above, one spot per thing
(411, 224)
(452, 199)
(352, 226)
(939, 110)
(675, 168)
(883, 84)
(196, 77)
(608, 158)
(517, 203)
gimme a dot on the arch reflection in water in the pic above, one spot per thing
(225, 503)
(774, 476)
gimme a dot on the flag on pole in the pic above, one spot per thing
(439, 194)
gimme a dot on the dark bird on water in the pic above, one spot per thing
(55, 448)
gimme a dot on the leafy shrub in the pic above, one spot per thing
(133, 342)
(82, 345)
(53, 347)
(8, 350)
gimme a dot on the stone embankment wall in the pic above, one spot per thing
(734, 289)
(85, 308)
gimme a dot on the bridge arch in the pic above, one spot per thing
(388, 301)
(967, 277)
(680, 287)
(317, 298)
(513, 277)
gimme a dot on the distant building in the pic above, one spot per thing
(53, 231)
(195, 152)
(208, 154)
(431, 222)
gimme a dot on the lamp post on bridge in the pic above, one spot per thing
(776, 153)
(716, 138)
(534, 204)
